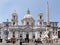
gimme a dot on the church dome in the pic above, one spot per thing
(27, 15)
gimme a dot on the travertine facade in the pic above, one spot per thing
(28, 29)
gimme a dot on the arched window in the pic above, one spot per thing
(40, 32)
(40, 22)
(33, 36)
(40, 17)
(13, 23)
(27, 23)
(14, 17)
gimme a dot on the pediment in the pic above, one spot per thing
(27, 29)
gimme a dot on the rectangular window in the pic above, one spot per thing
(53, 32)
(13, 23)
(0, 40)
(56, 32)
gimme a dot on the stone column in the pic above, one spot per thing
(36, 35)
(30, 35)
(24, 35)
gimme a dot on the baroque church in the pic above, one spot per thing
(28, 29)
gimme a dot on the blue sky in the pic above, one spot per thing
(7, 7)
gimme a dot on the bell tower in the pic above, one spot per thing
(40, 19)
(14, 18)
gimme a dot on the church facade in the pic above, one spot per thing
(28, 29)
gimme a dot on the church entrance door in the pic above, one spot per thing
(27, 37)
(58, 34)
